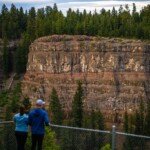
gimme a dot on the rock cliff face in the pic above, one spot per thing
(115, 72)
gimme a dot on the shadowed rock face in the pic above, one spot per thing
(12, 45)
(114, 72)
(1, 71)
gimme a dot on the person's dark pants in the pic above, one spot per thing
(37, 141)
(21, 138)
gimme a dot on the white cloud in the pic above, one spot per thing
(24, 1)
(89, 5)
(98, 5)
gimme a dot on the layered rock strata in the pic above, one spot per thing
(114, 72)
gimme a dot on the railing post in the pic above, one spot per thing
(113, 137)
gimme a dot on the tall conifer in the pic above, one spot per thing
(55, 108)
(77, 106)
(5, 57)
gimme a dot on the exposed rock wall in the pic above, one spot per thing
(115, 72)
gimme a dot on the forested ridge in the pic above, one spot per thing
(16, 23)
(49, 20)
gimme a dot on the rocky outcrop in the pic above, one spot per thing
(115, 72)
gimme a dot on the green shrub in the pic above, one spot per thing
(49, 142)
(106, 147)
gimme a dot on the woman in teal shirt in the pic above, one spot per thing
(21, 128)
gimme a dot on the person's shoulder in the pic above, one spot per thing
(16, 115)
(26, 116)
(31, 111)
(45, 112)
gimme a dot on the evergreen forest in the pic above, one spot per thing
(46, 21)
(27, 25)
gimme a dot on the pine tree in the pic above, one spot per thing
(139, 125)
(8, 128)
(147, 120)
(77, 106)
(93, 126)
(40, 22)
(100, 122)
(27, 104)
(31, 24)
(126, 122)
(0, 25)
(55, 108)
(15, 104)
(22, 21)
(13, 23)
(126, 129)
(5, 20)
(18, 60)
(21, 55)
(134, 9)
(139, 119)
(15, 98)
(100, 125)
(96, 140)
(5, 58)
(93, 119)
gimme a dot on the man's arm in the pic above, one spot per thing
(14, 119)
(46, 119)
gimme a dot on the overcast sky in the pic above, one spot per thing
(89, 5)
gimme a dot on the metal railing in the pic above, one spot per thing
(73, 138)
